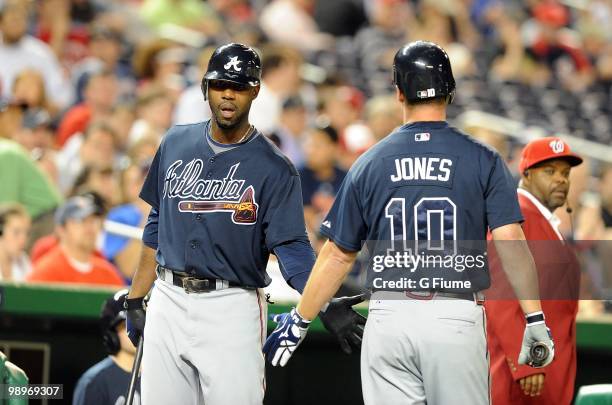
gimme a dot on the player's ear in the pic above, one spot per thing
(256, 91)
(399, 95)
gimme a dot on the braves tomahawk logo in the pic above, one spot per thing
(233, 63)
(198, 195)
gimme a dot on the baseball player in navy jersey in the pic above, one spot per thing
(429, 346)
(106, 382)
(223, 198)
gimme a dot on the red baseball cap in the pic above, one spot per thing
(553, 14)
(546, 149)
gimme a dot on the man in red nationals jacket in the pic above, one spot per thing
(545, 166)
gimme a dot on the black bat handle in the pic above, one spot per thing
(135, 370)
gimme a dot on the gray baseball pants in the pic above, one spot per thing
(418, 352)
(204, 348)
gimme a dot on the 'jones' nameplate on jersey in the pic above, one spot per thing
(422, 169)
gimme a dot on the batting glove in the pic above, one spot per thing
(538, 348)
(287, 336)
(135, 319)
(342, 321)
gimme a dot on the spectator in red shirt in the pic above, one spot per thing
(73, 260)
(47, 243)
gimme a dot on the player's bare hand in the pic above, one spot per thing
(532, 385)
(287, 336)
(340, 319)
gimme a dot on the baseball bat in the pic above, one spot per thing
(135, 370)
(539, 353)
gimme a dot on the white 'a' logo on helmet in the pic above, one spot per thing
(233, 63)
(557, 146)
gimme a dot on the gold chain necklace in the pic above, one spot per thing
(246, 134)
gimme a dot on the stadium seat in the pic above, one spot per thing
(600, 394)
(11, 375)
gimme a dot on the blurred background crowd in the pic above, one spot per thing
(89, 87)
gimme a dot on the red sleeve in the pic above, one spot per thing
(36, 275)
(75, 120)
(505, 319)
(47, 269)
(115, 279)
(110, 273)
(43, 246)
(579, 57)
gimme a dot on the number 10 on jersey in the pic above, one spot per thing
(434, 218)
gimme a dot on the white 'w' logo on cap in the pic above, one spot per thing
(557, 146)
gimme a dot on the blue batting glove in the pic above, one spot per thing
(287, 336)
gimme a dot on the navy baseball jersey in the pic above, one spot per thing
(425, 181)
(220, 215)
(105, 383)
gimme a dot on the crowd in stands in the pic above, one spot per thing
(89, 87)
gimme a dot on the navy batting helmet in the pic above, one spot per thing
(422, 71)
(112, 314)
(235, 63)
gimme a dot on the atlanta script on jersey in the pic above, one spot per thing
(196, 194)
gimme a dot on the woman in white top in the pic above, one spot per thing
(14, 229)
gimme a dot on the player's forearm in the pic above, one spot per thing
(519, 266)
(520, 269)
(145, 274)
(326, 277)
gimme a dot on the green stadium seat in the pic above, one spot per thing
(599, 394)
